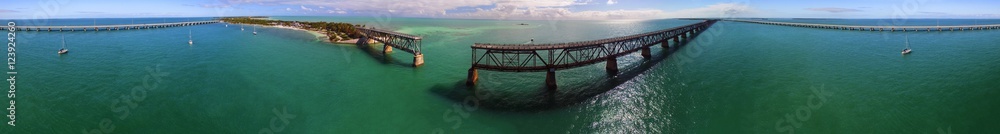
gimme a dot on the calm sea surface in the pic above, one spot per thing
(735, 78)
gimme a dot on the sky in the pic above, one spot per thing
(505, 9)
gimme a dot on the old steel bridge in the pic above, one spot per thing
(558, 56)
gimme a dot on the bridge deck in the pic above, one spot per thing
(874, 28)
(552, 46)
(391, 32)
(123, 26)
(542, 57)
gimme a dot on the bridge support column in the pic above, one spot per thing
(418, 60)
(386, 49)
(611, 65)
(677, 40)
(473, 77)
(664, 44)
(684, 35)
(645, 52)
(550, 79)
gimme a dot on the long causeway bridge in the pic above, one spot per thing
(107, 27)
(875, 28)
(390, 39)
(558, 56)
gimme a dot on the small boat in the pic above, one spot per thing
(523, 24)
(255, 30)
(241, 28)
(63, 50)
(907, 50)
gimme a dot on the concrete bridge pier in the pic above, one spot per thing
(663, 43)
(386, 49)
(550, 79)
(684, 35)
(418, 60)
(473, 77)
(645, 52)
(612, 65)
(677, 40)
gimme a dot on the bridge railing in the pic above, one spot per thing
(557, 56)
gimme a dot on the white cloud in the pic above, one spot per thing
(288, 9)
(716, 10)
(502, 9)
(834, 9)
(336, 11)
(401, 7)
(304, 8)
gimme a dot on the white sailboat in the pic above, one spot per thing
(241, 28)
(190, 41)
(255, 30)
(63, 50)
(907, 50)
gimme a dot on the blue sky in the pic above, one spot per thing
(505, 9)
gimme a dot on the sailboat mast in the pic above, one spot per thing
(907, 39)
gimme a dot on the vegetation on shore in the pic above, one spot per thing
(336, 31)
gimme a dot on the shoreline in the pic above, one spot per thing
(318, 35)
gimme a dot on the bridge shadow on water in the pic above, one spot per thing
(374, 51)
(541, 98)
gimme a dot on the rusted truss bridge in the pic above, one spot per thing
(559, 56)
(390, 39)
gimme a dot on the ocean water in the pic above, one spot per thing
(734, 78)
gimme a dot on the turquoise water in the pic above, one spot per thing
(736, 78)
(894, 22)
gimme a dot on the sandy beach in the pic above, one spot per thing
(319, 35)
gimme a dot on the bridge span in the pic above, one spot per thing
(390, 39)
(559, 56)
(875, 28)
(107, 27)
